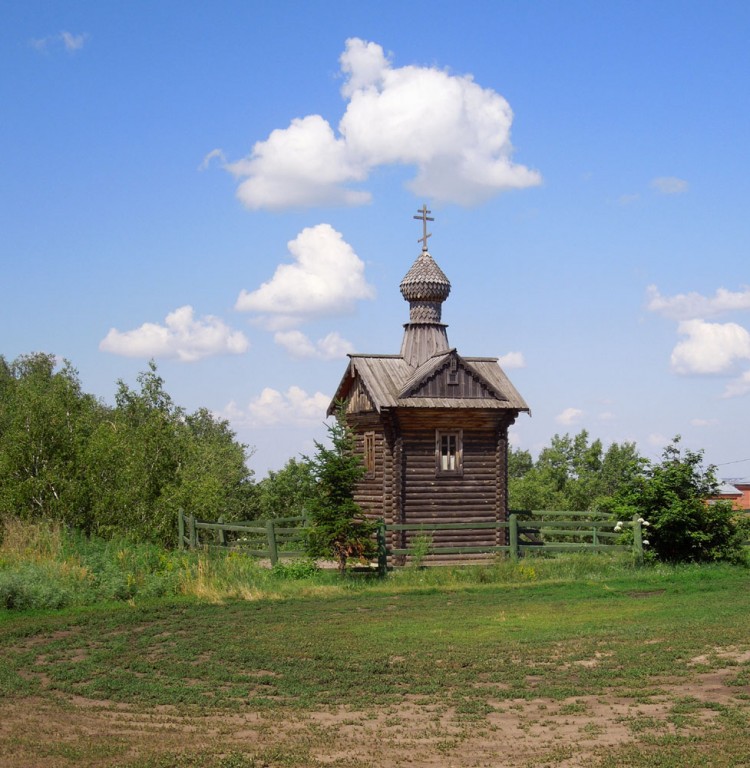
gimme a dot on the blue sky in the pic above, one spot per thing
(228, 188)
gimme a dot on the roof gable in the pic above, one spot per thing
(448, 376)
(375, 382)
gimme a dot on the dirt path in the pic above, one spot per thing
(52, 732)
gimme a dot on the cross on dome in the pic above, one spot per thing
(425, 218)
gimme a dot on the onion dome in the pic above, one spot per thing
(425, 287)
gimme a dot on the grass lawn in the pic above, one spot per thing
(647, 668)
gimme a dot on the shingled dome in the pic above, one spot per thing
(425, 281)
(425, 287)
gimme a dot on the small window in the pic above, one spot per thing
(370, 452)
(453, 372)
(449, 452)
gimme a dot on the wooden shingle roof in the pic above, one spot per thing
(392, 383)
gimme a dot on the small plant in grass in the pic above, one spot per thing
(296, 569)
(337, 528)
(419, 549)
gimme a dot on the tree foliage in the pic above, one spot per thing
(286, 492)
(571, 473)
(45, 423)
(337, 528)
(127, 469)
(671, 496)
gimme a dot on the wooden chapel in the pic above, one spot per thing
(430, 424)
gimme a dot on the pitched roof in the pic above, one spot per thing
(390, 381)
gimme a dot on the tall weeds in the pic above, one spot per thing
(44, 565)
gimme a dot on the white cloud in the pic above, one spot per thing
(569, 416)
(704, 422)
(327, 279)
(302, 165)
(669, 185)
(68, 40)
(685, 306)
(710, 348)
(512, 360)
(628, 199)
(274, 408)
(657, 440)
(738, 387)
(455, 132)
(214, 154)
(182, 337)
(607, 416)
(330, 347)
(72, 42)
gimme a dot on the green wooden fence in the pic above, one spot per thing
(536, 531)
(274, 539)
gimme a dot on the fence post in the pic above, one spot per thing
(513, 536)
(638, 539)
(273, 552)
(382, 550)
(595, 537)
(220, 532)
(192, 532)
(180, 529)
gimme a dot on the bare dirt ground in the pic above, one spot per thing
(64, 731)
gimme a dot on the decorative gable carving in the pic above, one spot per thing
(453, 380)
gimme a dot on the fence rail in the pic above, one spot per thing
(525, 534)
(273, 539)
(529, 531)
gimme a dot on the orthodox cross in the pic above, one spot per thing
(425, 218)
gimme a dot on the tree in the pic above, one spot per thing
(45, 422)
(337, 527)
(286, 493)
(571, 473)
(65, 456)
(213, 476)
(151, 459)
(672, 497)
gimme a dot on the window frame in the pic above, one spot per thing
(368, 451)
(444, 452)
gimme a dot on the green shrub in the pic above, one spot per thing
(30, 589)
(296, 569)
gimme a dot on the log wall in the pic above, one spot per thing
(405, 488)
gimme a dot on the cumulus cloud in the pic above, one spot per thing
(70, 42)
(454, 132)
(669, 185)
(569, 416)
(330, 347)
(182, 337)
(512, 360)
(273, 408)
(302, 165)
(710, 347)
(685, 306)
(327, 278)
